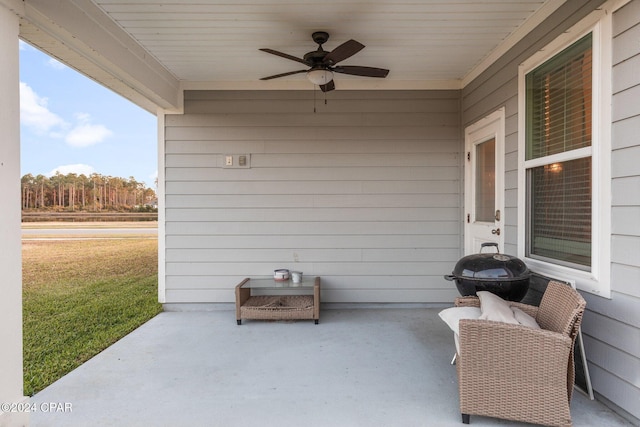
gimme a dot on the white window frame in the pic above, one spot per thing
(598, 279)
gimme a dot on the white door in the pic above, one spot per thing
(484, 183)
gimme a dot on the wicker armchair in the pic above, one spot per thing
(518, 373)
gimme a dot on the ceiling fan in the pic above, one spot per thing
(322, 64)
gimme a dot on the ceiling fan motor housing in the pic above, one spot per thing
(320, 37)
(315, 58)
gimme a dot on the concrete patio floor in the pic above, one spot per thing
(358, 367)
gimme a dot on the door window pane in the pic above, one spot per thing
(486, 181)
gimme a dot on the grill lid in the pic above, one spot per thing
(491, 266)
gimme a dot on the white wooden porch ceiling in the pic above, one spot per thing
(425, 43)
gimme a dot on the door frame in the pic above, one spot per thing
(491, 126)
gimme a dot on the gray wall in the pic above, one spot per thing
(365, 193)
(611, 327)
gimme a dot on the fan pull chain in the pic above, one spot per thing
(314, 99)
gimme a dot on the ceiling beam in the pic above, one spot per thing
(80, 35)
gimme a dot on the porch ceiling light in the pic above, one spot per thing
(319, 76)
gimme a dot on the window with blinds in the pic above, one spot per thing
(558, 157)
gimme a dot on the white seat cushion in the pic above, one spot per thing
(495, 308)
(452, 316)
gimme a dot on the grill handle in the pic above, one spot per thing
(450, 277)
(484, 245)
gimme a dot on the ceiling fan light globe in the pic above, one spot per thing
(319, 76)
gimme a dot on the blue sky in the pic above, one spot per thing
(70, 123)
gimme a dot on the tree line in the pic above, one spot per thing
(94, 193)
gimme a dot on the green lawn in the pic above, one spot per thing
(79, 297)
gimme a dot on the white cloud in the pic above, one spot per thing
(78, 169)
(55, 64)
(85, 134)
(35, 113)
(83, 117)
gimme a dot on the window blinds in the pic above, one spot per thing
(559, 109)
(559, 102)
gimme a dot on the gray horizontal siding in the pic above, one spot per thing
(312, 241)
(611, 326)
(339, 294)
(618, 349)
(615, 326)
(622, 312)
(322, 213)
(370, 173)
(365, 193)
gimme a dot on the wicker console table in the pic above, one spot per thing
(267, 299)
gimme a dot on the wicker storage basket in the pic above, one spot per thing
(286, 307)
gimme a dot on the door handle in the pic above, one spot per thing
(495, 231)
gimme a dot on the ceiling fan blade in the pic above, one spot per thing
(342, 52)
(361, 71)
(283, 74)
(329, 86)
(285, 55)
